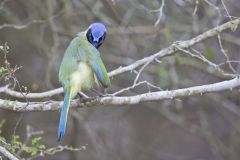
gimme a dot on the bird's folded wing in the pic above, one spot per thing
(92, 56)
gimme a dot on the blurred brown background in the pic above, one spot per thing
(195, 128)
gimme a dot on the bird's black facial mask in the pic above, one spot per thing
(96, 34)
(94, 40)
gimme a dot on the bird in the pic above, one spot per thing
(81, 67)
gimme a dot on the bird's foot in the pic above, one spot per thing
(82, 96)
(99, 94)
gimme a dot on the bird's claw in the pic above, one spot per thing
(100, 94)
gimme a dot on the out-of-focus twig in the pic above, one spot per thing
(196, 7)
(26, 25)
(225, 54)
(216, 8)
(205, 60)
(160, 13)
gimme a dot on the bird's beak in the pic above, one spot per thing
(95, 39)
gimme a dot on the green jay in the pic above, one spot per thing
(81, 67)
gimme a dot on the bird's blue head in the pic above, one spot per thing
(96, 34)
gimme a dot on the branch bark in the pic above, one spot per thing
(146, 97)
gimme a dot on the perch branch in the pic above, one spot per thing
(146, 97)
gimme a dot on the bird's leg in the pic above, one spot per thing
(100, 94)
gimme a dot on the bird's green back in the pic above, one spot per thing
(80, 50)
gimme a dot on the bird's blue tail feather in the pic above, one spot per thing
(63, 117)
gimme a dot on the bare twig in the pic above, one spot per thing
(134, 86)
(52, 151)
(225, 54)
(216, 8)
(35, 21)
(139, 72)
(17, 94)
(205, 60)
(195, 8)
(225, 8)
(160, 13)
(23, 26)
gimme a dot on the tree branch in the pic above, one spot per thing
(152, 96)
(7, 154)
(35, 21)
(17, 94)
(164, 52)
(174, 47)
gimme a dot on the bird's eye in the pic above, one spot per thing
(102, 38)
(90, 36)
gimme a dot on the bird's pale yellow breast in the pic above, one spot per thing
(82, 78)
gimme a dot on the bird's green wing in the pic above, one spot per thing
(89, 53)
(69, 63)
